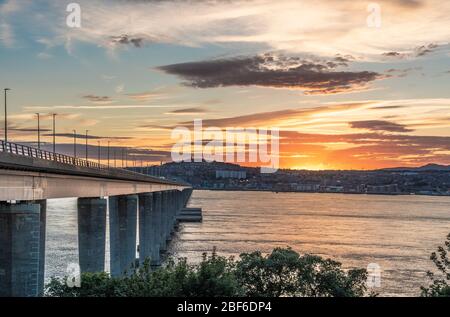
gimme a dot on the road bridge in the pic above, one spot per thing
(30, 176)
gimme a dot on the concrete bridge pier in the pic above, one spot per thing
(186, 193)
(122, 233)
(156, 235)
(149, 223)
(92, 234)
(173, 212)
(22, 248)
(164, 221)
(178, 196)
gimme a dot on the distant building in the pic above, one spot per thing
(382, 189)
(231, 174)
(307, 187)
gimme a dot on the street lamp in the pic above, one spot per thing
(6, 117)
(75, 143)
(39, 131)
(87, 144)
(54, 133)
(98, 152)
(108, 153)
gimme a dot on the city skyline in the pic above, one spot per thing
(345, 94)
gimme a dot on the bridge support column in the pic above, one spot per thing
(186, 193)
(22, 248)
(146, 229)
(122, 233)
(156, 235)
(170, 223)
(164, 220)
(42, 236)
(91, 234)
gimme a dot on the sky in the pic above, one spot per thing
(349, 84)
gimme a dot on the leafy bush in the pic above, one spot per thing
(439, 283)
(285, 273)
(282, 273)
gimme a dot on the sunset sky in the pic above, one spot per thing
(345, 93)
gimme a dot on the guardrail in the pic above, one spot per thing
(25, 150)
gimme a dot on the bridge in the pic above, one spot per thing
(30, 176)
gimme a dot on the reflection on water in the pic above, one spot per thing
(396, 232)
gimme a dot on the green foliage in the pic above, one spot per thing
(285, 273)
(281, 273)
(439, 286)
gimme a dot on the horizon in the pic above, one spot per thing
(349, 86)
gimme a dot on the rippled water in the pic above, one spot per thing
(396, 232)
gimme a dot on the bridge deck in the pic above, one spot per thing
(27, 173)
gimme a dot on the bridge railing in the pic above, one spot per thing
(25, 150)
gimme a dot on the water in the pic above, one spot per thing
(396, 232)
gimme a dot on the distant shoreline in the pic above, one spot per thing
(313, 192)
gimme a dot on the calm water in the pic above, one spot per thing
(396, 232)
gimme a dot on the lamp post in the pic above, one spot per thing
(6, 117)
(54, 133)
(75, 143)
(86, 150)
(108, 153)
(39, 131)
(98, 152)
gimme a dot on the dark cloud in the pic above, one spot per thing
(83, 136)
(387, 107)
(263, 118)
(194, 110)
(425, 49)
(394, 54)
(416, 52)
(127, 40)
(98, 99)
(372, 146)
(29, 129)
(313, 77)
(379, 125)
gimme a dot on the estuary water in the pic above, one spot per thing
(396, 232)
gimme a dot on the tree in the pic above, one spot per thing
(282, 273)
(439, 286)
(285, 273)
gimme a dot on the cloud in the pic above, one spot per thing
(269, 118)
(418, 51)
(379, 125)
(362, 150)
(83, 136)
(188, 111)
(44, 55)
(8, 8)
(313, 77)
(119, 88)
(127, 40)
(100, 100)
(98, 106)
(146, 96)
(29, 129)
(314, 27)
(425, 49)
